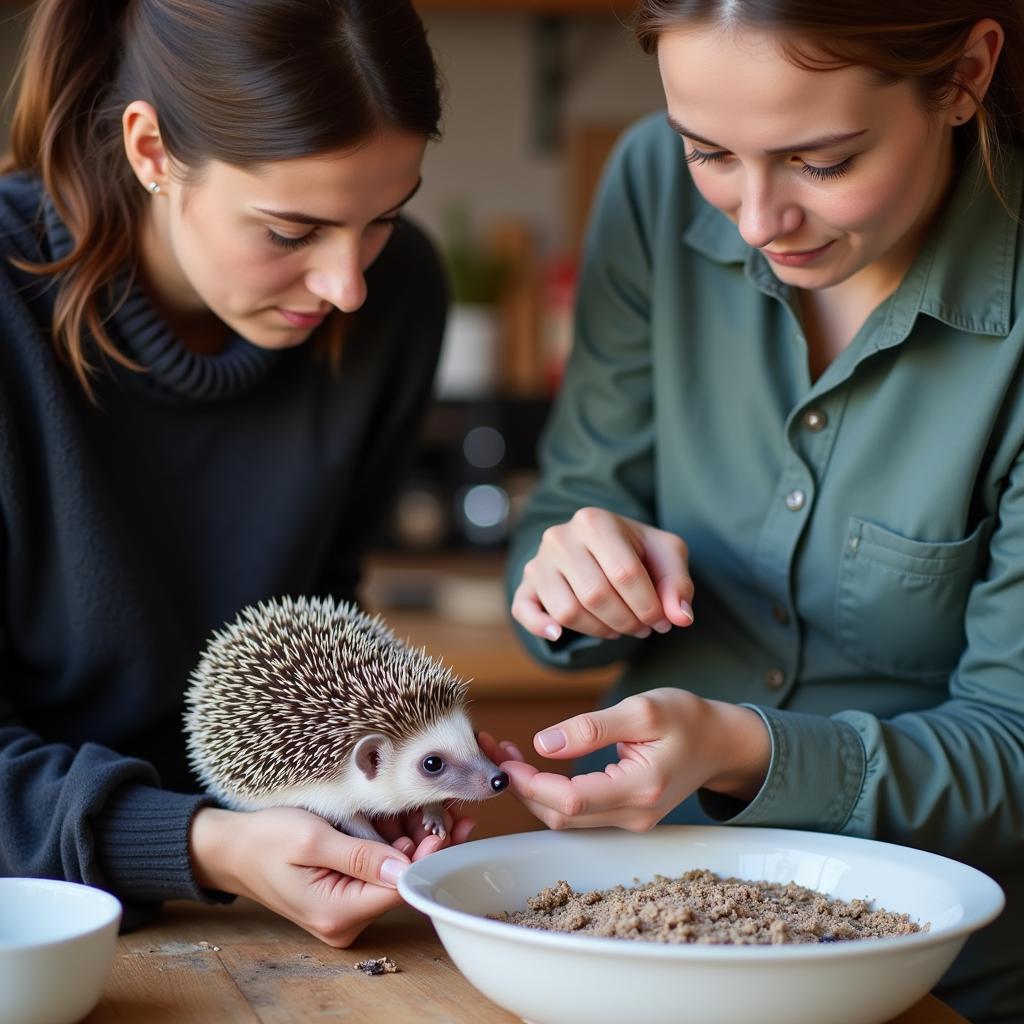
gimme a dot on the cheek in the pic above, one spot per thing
(869, 205)
(717, 188)
(226, 262)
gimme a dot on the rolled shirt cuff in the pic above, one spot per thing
(815, 776)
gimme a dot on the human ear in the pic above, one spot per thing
(143, 145)
(975, 69)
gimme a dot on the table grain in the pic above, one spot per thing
(223, 964)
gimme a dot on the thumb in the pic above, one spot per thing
(365, 859)
(667, 561)
(594, 730)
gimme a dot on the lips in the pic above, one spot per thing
(797, 258)
(299, 319)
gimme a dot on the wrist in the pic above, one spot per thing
(208, 845)
(745, 747)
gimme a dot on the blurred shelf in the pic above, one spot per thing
(470, 631)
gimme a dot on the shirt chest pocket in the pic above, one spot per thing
(900, 602)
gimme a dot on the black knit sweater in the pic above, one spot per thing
(129, 530)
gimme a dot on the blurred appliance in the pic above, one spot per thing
(475, 467)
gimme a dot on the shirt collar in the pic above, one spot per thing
(963, 274)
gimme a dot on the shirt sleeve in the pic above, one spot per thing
(597, 448)
(949, 778)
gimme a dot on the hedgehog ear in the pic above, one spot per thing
(367, 754)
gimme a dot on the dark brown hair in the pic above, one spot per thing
(915, 40)
(239, 81)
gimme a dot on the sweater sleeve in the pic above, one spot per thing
(90, 815)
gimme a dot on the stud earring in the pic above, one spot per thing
(153, 187)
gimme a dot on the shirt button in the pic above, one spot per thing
(774, 679)
(780, 615)
(815, 420)
(796, 500)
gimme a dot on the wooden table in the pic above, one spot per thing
(219, 965)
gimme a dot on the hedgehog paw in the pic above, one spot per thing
(433, 820)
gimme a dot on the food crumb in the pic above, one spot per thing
(382, 965)
(699, 907)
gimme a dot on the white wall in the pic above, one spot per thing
(488, 158)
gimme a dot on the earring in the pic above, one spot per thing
(153, 187)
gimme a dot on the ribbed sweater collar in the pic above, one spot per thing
(142, 335)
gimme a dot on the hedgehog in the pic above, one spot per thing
(315, 704)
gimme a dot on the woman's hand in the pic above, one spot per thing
(302, 868)
(605, 575)
(670, 743)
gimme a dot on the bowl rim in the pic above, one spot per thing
(412, 882)
(108, 906)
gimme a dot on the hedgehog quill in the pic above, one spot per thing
(315, 704)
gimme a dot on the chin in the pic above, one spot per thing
(288, 337)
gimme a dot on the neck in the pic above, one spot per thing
(189, 319)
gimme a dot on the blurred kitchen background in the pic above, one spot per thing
(536, 93)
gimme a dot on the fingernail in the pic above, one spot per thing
(684, 607)
(405, 845)
(552, 632)
(551, 740)
(644, 633)
(392, 870)
(664, 626)
(517, 754)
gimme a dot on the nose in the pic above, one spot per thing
(499, 781)
(764, 216)
(342, 284)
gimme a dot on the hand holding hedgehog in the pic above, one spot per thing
(311, 704)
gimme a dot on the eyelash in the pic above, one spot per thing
(699, 156)
(297, 243)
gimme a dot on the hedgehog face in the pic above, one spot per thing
(440, 762)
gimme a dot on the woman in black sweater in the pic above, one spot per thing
(217, 341)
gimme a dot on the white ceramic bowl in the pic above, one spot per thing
(551, 978)
(56, 946)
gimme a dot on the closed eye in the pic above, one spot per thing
(832, 171)
(286, 242)
(703, 156)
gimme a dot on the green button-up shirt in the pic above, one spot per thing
(856, 542)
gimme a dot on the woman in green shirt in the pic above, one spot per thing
(784, 480)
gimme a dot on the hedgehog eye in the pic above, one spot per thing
(433, 764)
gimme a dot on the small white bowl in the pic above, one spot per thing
(56, 947)
(551, 978)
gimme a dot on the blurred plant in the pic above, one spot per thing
(476, 275)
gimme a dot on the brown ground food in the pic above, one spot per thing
(700, 907)
(381, 965)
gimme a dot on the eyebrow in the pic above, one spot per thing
(306, 218)
(821, 142)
